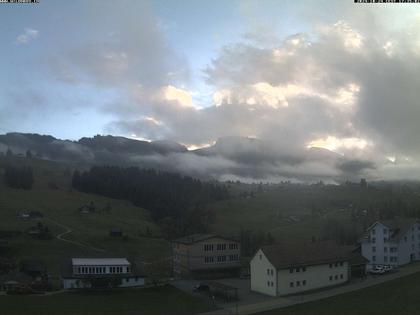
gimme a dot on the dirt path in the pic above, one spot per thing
(68, 230)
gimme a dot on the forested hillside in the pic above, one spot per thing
(177, 202)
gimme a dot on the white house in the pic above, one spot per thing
(101, 273)
(284, 269)
(392, 242)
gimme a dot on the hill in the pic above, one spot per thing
(75, 232)
(229, 158)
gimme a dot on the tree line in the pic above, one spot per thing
(177, 202)
(18, 177)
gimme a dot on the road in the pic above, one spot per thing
(244, 308)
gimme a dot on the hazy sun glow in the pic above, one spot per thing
(336, 144)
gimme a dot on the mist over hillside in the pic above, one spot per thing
(229, 158)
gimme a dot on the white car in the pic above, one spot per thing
(377, 270)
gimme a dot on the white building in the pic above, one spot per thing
(101, 273)
(284, 269)
(395, 242)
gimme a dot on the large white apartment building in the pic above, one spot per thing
(284, 269)
(395, 242)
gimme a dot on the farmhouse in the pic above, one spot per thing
(392, 242)
(206, 256)
(101, 273)
(283, 269)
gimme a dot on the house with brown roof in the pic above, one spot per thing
(289, 268)
(206, 256)
(391, 242)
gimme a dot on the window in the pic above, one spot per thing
(268, 271)
(221, 246)
(291, 284)
(291, 270)
(385, 239)
(331, 265)
(341, 276)
(208, 247)
(373, 240)
(268, 283)
(336, 264)
(233, 246)
(297, 269)
(336, 277)
(272, 271)
(405, 238)
(373, 249)
(373, 231)
(221, 258)
(303, 268)
(78, 270)
(234, 257)
(331, 277)
(298, 283)
(304, 282)
(208, 259)
(341, 263)
(373, 258)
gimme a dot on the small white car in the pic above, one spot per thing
(377, 270)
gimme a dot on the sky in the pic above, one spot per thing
(297, 74)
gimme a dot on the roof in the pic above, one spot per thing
(194, 238)
(99, 261)
(287, 255)
(356, 257)
(399, 227)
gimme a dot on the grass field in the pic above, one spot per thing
(399, 296)
(271, 210)
(162, 300)
(53, 197)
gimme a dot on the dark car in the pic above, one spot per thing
(201, 287)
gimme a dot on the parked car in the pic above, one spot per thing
(201, 287)
(377, 270)
(389, 268)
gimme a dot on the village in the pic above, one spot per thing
(210, 266)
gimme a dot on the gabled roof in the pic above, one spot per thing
(194, 238)
(286, 255)
(100, 262)
(398, 226)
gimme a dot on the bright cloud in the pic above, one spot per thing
(180, 96)
(337, 144)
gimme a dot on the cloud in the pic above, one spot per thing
(28, 35)
(346, 85)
